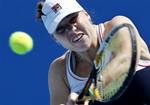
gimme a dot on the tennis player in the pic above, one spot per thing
(69, 23)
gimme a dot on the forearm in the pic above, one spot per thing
(115, 68)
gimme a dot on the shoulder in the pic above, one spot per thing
(117, 20)
(58, 67)
(57, 84)
(122, 35)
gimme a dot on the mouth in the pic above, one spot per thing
(77, 37)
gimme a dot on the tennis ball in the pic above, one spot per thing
(20, 42)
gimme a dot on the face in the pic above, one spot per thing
(75, 32)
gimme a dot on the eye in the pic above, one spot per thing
(60, 30)
(73, 19)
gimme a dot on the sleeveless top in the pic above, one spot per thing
(77, 83)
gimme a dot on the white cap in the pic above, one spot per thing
(55, 10)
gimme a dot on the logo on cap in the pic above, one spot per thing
(56, 8)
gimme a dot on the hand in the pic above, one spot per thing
(77, 103)
(72, 100)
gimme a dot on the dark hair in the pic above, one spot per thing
(39, 10)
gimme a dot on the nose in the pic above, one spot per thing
(72, 27)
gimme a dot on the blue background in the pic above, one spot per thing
(23, 79)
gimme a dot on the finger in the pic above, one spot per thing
(73, 96)
(86, 102)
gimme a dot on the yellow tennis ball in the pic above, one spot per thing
(20, 42)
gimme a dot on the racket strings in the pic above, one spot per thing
(107, 92)
(102, 92)
(112, 88)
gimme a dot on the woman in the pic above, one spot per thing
(71, 26)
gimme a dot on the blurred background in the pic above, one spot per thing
(23, 79)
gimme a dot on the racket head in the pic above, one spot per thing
(111, 84)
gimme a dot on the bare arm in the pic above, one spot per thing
(56, 80)
(143, 51)
(121, 50)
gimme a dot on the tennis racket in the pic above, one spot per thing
(96, 85)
